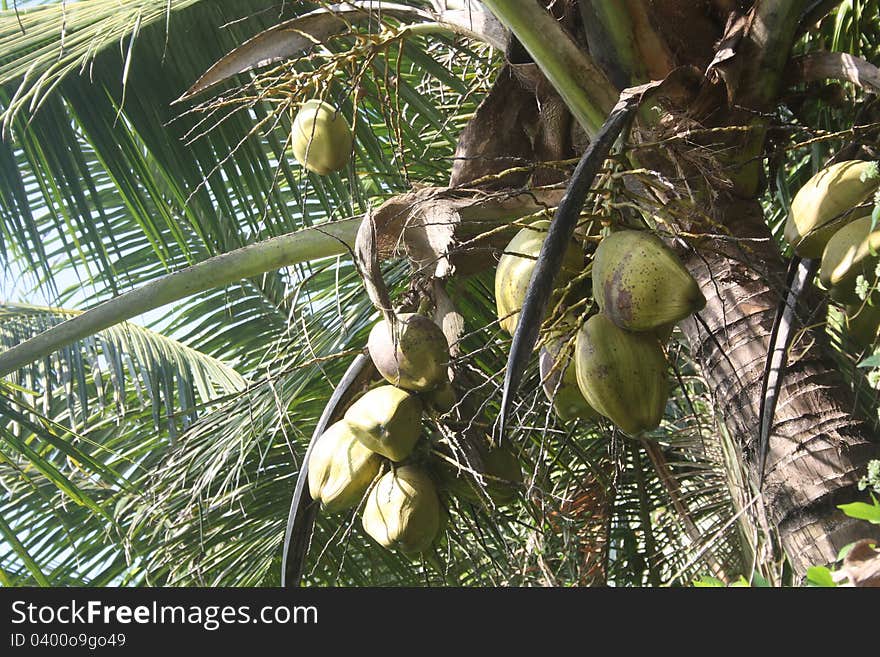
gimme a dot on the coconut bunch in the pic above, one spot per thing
(614, 364)
(831, 219)
(379, 451)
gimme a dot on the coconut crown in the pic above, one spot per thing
(321, 138)
(622, 374)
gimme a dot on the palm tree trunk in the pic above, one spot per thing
(818, 449)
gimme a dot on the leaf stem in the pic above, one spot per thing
(575, 76)
(329, 239)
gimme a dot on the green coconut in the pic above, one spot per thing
(321, 137)
(862, 324)
(515, 268)
(415, 357)
(341, 468)
(664, 332)
(851, 251)
(622, 374)
(443, 398)
(402, 511)
(502, 484)
(387, 420)
(640, 284)
(826, 203)
(559, 380)
(505, 474)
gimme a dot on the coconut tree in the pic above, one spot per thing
(147, 178)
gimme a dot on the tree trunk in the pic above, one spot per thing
(818, 449)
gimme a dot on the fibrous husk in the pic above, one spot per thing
(341, 468)
(321, 137)
(415, 357)
(640, 284)
(826, 203)
(559, 379)
(851, 251)
(622, 374)
(387, 420)
(402, 511)
(515, 271)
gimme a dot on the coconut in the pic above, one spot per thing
(664, 332)
(442, 399)
(403, 510)
(862, 324)
(321, 137)
(515, 271)
(341, 468)
(504, 467)
(640, 284)
(851, 251)
(826, 203)
(559, 379)
(622, 374)
(416, 357)
(504, 478)
(388, 420)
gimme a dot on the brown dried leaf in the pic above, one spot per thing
(862, 564)
(366, 255)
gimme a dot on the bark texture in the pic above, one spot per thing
(818, 449)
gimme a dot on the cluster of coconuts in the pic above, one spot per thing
(372, 451)
(831, 219)
(321, 138)
(616, 365)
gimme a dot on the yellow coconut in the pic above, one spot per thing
(851, 251)
(402, 511)
(388, 420)
(515, 271)
(622, 374)
(826, 203)
(640, 284)
(559, 380)
(341, 468)
(415, 357)
(321, 137)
